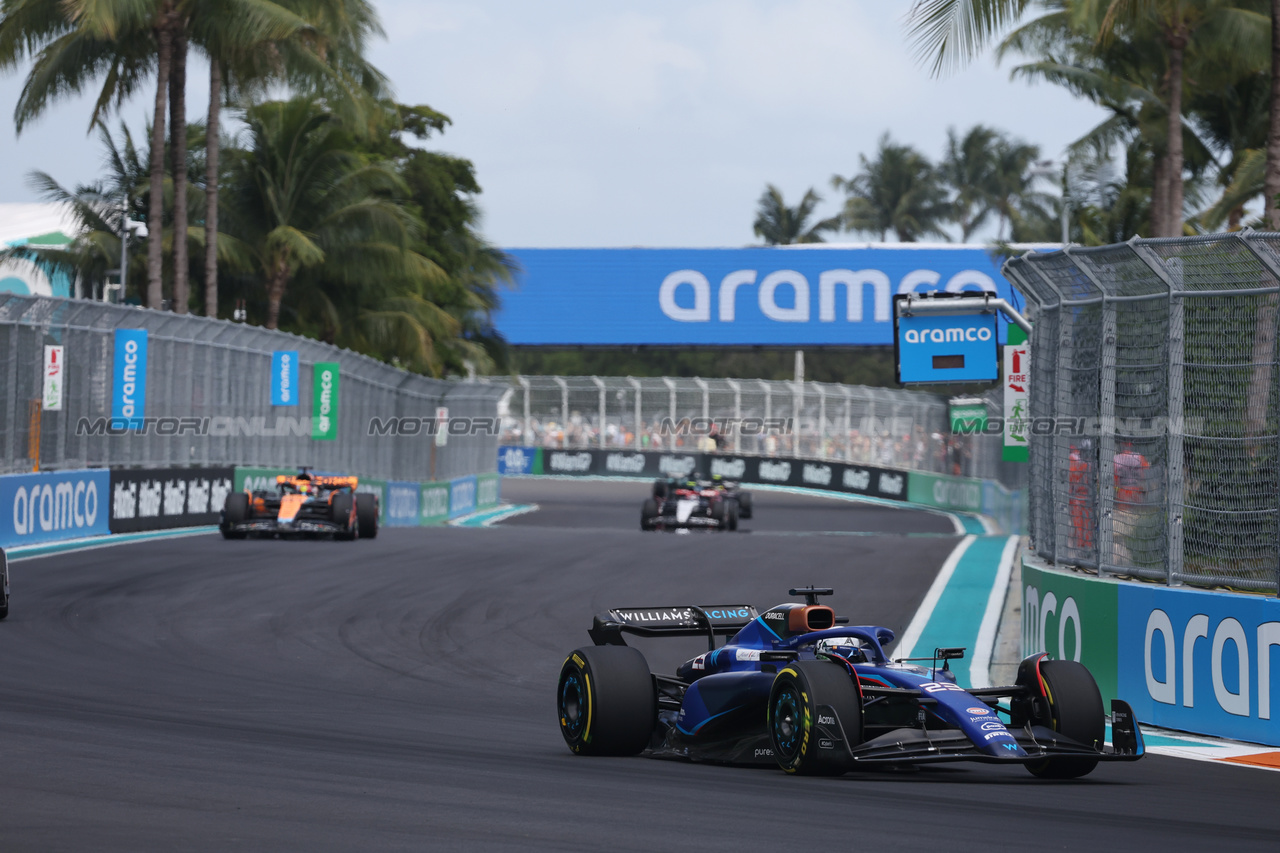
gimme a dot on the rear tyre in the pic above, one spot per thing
(719, 514)
(814, 717)
(235, 510)
(731, 518)
(340, 512)
(605, 701)
(367, 515)
(648, 512)
(744, 504)
(1075, 710)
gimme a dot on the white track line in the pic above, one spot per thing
(906, 645)
(980, 666)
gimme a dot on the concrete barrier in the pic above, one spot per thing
(1187, 659)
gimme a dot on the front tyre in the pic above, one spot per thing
(605, 701)
(340, 513)
(648, 513)
(235, 510)
(1075, 710)
(744, 504)
(814, 718)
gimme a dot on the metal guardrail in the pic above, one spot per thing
(1154, 398)
(218, 373)
(890, 428)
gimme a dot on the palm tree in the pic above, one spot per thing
(302, 197)
(317, 46)
(900, 191)
(780, 225)
(950, 32)
(969, 168)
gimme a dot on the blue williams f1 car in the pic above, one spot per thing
(796, 688)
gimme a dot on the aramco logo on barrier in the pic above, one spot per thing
(1036, 612)
(46, 508)
(1229, 670)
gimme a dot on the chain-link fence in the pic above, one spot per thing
(208, 395)
(1155, 379)
(872, 426)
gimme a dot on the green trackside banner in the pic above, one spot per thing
(259, 478)
(487, 490)
(968, 417)
(1073, 618)
(959, 493)
(434, 504)
(324, 401)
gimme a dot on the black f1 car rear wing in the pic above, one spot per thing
(688, 620)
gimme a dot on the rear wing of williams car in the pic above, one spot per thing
(686, 620)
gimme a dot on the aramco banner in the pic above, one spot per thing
(787, 295)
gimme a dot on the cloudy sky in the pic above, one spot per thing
(628, 123)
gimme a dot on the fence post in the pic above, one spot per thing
(671, 405)
(600, 386)
(822, 421)
(639, 420)
(528, 412)
(1106, 418)
(768, 411)
(1263, 253)
(1171, 275)
(564, 410)
(737, 414)
(797, 397)
(848, 424)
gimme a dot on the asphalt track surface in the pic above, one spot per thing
(196, 694)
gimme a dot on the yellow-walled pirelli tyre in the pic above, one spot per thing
(606, 701)
(814, 718)
(1075, 710)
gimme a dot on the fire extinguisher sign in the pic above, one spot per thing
(1017, 400)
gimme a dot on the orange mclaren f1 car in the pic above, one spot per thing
(303, 505)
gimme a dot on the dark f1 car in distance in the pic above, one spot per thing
(796, 688)
(308, 504)
(714, 504)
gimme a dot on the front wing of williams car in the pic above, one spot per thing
(796, 687)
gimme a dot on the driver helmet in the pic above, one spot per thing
(849, 648)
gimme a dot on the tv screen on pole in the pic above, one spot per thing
(821, 295)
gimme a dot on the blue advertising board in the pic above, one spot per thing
(947, 348)
(129, 385)
(1201, 661)
(402, 504)
(54, 505)
(789, 295)
(516, 460)
(284, 378)
(462, 496)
